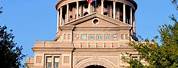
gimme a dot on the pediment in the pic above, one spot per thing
(96, 20)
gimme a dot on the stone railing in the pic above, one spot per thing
(100, 44)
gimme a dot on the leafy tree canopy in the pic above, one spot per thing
(163, 55)
(10, 53)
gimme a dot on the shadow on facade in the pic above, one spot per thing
(95, 66)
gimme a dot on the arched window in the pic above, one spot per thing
(95, 66)
(85, 13)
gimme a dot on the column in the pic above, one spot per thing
(77, 8)
(114, 9)
(134, 25)
(131, 19)
(60, 16)
(89, 8)
(58, 23)
(124, 14)
(67, 17)
(102, 6)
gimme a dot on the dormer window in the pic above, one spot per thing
(85, 13)
(105, 13)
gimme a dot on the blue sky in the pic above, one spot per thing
(33, 20)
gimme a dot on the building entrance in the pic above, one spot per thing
(95, 66)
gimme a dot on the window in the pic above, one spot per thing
(64, 36)
(52, 61)
(68, 36)
(105, 13)
(107, 37)
(85, 5)
(56, 62)
(126, 36)
(83, 36)
(99, 37)
(115, 36)
(91, 37)
(122, 36)
(49, 62)
(38, 59)
(95, 21)
(85, 13)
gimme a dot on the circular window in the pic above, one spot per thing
(95, 21)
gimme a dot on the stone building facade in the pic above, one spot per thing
(89, 35)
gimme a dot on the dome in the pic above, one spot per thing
(127, 2)
(119, 10)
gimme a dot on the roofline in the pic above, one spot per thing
(122, 1)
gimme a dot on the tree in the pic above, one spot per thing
(10, 53)
(175, 2)
(163, 55)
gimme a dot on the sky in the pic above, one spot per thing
(33, 20)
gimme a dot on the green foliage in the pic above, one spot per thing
(175, 2)
(163, 55)
(10, 53)
(135, 64)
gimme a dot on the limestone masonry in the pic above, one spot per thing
(91, 34)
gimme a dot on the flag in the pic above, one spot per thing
(89, 1)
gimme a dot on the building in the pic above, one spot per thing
(90, 34)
